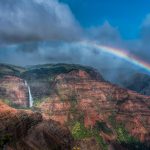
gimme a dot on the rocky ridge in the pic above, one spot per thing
(94, 110)
(25, 130)
(78, 97)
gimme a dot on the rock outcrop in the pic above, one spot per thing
(14, 91)
(79, 97)
(94, 110)
(25, 130)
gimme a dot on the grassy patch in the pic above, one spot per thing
(123, 136)
(100, 140)
(11, 104)
(36, 102)
(80, 132)
(7, 101)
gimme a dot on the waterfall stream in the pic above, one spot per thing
(30, 95)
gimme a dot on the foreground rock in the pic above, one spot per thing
(25, 130)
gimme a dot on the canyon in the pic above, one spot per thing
(86, 109)
(23, 129)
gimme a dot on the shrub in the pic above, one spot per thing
(100, 140)
(123, 135)
(102, 126)
(79, 131)
(36, 102)
(7, 101)
(76, 148)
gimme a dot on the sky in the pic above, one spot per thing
(50, 31)
(126, 15)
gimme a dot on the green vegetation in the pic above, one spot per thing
(18, 106)
(73, 109)
(102, 126)
(36, 102)
(7, 101)
(128, 141)
(7, 69)
(124, 138)
(11, 104)
(123, 135)
(49, 71)
(112, 119)
(78, 129)
(80, 132)
(100, 140)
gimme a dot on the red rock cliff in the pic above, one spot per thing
(14, 90)
(25, 130)
(77, 94)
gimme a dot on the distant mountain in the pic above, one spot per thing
(128, 78)
(139, 83)
(6, 69)
(118, 75)
(99, 115)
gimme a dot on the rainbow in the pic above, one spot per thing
(123, 54)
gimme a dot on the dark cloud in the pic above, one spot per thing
(141, 46)
(31, 20)
(74, 52)
(57, 52)
(145, 37)
(106, 34)
(110, 36)
(29, 47)
(36, 27)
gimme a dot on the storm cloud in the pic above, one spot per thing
(141, 46)
(46, 31)
(31, 20)
(106, 34)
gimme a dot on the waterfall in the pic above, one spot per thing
(30, 95)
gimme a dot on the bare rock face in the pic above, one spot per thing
(25, 130)
(100, 114)
(79, 97)
(14, 91)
